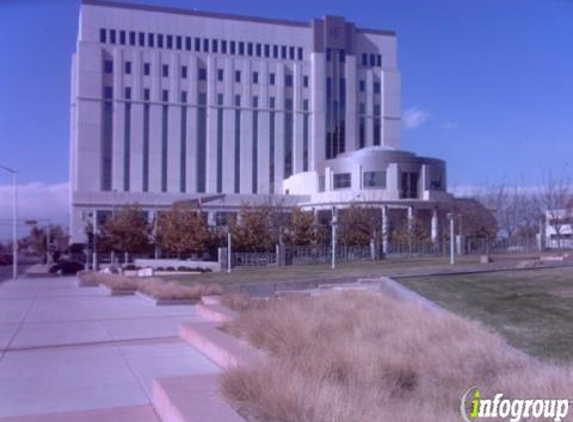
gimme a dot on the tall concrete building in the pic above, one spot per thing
(170, 104)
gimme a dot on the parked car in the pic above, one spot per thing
(5, 259)
(66, 267)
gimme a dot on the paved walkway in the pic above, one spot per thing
(66, 349)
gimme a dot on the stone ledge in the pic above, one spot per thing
(191, 399)
(117, 292)
(165, 302)
(224, 350)
(215, 313)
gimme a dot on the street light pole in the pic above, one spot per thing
(14, 221)
(452, 240)
(334, 223)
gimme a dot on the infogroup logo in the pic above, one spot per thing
(474, 407)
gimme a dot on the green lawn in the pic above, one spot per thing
(532, 309)
(318, 272)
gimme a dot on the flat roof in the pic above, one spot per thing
(216, 15)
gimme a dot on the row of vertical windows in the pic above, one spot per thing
(199, 45)
(376, 87)
(371, 60)
(202, 74)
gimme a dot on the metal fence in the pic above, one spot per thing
(253, 259)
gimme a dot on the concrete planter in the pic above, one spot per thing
(166, 302)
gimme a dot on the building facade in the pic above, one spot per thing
(170, 104)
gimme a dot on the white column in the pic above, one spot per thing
(385, 229)
(435, 227)
(410, 219)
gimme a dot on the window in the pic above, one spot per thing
(275, 51)
(220, 99)
(197, 44)
(364, 59)
(112, 36)
(374, 179)
(102, 36)
(272, 78)
(267, 50)
(305, 105)
(108, 92)
(146, 69)
(188, 43)
(436, 179)
(206, 45)
(165, 95)
(305, 81)
(237, 76)
(179, 42)
(202, 74)
(271, 102)
(184, 97)
(151, 40)
(255, 78)
(300, 53)
(328, 54)
(170, 42)
(376, 87)
(342, 56)
(184, 72)
(250, 49)
(379, 60)
(215, 46)
(372, 60)
(146, 94)
(255, 101)
(159, 40)
(288, 80)
(237, 101)
(259, 49)
(241, 48)
(283, 52)
(122, 37)
(108, 66)
(127, 69)
(142, 39)
(165, 71)
(220, 74)
(131, 38)
(232, 47)
(341, 181)
(362, 85)
(291, 53)
(224, 47)
(409, 185)
(362, 108)
(376, 110)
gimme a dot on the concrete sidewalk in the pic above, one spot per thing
(76, 354)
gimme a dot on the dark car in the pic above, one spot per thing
(5, 259)
(66, 267)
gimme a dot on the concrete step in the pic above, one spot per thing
(221, 348)
(192, 399)
(215, 312)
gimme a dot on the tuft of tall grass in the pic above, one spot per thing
(360, 357)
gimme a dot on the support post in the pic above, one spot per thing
(452, 240)
(94, 222)
(334, 223)
(435, 226)
(229, 250)
(385, 229)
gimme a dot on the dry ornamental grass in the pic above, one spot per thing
(361, 357)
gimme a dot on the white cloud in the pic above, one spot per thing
(450, 125)
(35, 201)
(414, 117)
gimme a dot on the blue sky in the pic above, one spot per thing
(487, 84)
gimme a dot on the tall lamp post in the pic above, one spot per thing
(14, 220)
(334, 223)
(452, 239)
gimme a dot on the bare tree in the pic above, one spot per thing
(555, 201)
